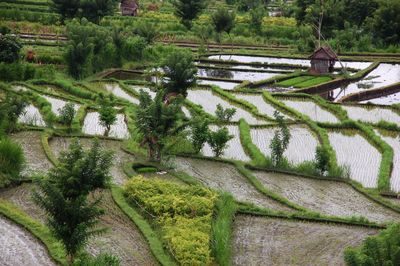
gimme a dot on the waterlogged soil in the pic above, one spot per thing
(225, 177)
(358, 155)
(35, 158)
(234, 149)
(122, 237)
(385, 100)
(19, 247)
(120, 157)
(21, 196)
(267, 241)
(326, 197)
(300, 137)
(140, 88)
(235, 74)
(115, 89)
(312, 110)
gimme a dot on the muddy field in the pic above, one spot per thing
(120, 157)
(36, 160)
(266, 241)
(122, 238)
(221, 176)
(326, 197)
(21, 196)
(19, 247)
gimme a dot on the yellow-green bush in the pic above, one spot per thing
(184, 214)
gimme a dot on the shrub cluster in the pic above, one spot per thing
(184, 214)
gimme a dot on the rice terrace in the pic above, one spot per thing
(196, 132)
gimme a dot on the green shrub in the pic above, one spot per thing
(184, 214)
(133, 48)
(16, 72)
(11, 157)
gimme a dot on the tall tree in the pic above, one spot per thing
(223, 21)
(156, 121)
(188, 10)
(64, 195)
(280, 141)
(179, 72)
(67, 114)
(10, 47)
(385, 23)
(94, 10)
(66, 8)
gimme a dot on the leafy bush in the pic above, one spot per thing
(10, 47)
(218, 140)
(383, 249)
(184, 214)
(11, 157)
(133, 48)
(224, 114)
(16, 72)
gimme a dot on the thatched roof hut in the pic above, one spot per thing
(323, 60)
(129, 7)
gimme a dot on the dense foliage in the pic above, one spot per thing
(64, 195)
(10, 47)
(383, 249)
(183, 213)
(187, 10)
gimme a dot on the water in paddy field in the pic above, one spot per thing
(289, 61)
(371, 115)
(222, 84)
(383, 75)
(31, 116)
(209, 102)
(92, 126)
(385, 100)
(115, 89)
(57, 104)
(148, 90)
(235, 75)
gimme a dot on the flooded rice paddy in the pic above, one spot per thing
(225, 177)
(31, 116)
(288, 61)
(383, 75)
(139, 88)
(326, 197)
(115, 89)
(355, 152)
(394, 141)
(57, 104)
(222, 84)
(312, 110)
(92, 126)
(234, 149)
(234, 74)
(268, 241)
(301, 137)
(258, 101)
(385, 100)
(209, 102)
(371, 115)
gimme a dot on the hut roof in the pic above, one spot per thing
(129, 4)
(324, 53)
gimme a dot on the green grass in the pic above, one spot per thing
(293, 81)
(313, 82)
(222, 229)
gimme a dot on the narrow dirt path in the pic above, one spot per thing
(222, 176)
(36, 159)
(267, 241)
(18, 247)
